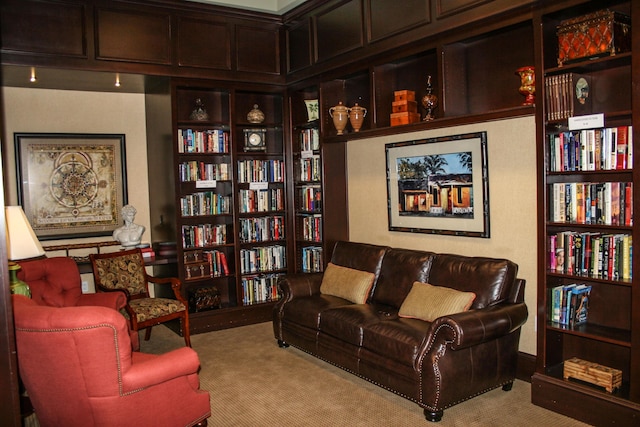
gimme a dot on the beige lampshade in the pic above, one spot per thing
(22, 242)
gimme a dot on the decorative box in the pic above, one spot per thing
(197, 270)
(205, 298)
(404, 118)
(593, 373)
(597, 34)
(404, 95)
(194, 256)
(404, 107)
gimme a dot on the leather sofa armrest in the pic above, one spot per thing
(300, 285)
(148, 370)
(473, 327)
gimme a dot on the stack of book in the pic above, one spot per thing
(569, 304)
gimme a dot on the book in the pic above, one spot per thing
(579, 305)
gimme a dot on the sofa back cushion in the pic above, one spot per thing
(359, 256)
(400, 268)
(491, 279)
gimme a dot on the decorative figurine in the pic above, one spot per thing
(199, 113)
(340, 115)
(429, 102)
(527, 84)
(256, 115)
(356, 116)
(130, 234)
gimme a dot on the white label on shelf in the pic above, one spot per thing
(306, 154)
(206, 183)
(258, 185)
(591, 121)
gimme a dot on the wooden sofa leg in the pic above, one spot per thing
(508, 386)
(433, 416)
(282, 344)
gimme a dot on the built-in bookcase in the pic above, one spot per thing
(587, 198)
(231, 216)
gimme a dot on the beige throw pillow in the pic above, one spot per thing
(428, 302)
(348, 283)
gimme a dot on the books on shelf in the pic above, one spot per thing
(567, 95)
(569, 304)
(309, 139)
(207, 141)
(595, 255)
(262, 229)
(312, 259)
(259, 289)
(591, 149)
(605, 203)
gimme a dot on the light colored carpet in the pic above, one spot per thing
(253, 382)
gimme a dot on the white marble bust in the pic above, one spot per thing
(129, 234)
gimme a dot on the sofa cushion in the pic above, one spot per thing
(400, 268)
(399, 339)
(306, 311)
(428, 302)
(346, 322)
(348, 283)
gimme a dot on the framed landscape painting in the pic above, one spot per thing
(71, 185)
(439, 185)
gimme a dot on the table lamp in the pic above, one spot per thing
(22, 243)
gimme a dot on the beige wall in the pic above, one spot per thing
(66, 111)
(512, 198)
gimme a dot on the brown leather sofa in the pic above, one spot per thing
(436, 364)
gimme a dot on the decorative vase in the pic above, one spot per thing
(527, 84)
(429, 101)
(356, 116)
(199, 113)
(340, 116)
(256, 115)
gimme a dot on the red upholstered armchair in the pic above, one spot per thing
(56, 282)
(78, 367)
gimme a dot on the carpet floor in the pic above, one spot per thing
(253, 382)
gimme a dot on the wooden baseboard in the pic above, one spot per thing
(526, 366)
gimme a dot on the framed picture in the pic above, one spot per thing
(313, 110)
(71, 185)
(439, 185)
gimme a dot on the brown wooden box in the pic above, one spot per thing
(197, 270)
(404, 118)
(597, 34)
(593, 373)
(404, 106)
(404, 95)
(194, 256)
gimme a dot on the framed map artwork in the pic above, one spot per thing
(71, 185)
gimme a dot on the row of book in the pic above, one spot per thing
(312, 259)
(607, 203)
(203, 235)
(214, 265)
(201, 171)
(263, 259)
(261, 171)
(310, 169)
(199, 141)
(309, 140)
(260, 289)
(568, 305)
(312, 228)
(262, 229)
(205, 203)
(268, 200)
(591, 149)
(595, 255)
(310, 198)
(567, 95)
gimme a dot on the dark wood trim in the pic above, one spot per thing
(526, 366)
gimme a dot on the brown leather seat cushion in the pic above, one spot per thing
(306, 310)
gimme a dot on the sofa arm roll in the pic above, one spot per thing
(300, 285)
(473, 327)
